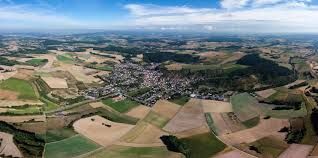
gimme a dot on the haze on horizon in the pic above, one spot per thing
(239, 16)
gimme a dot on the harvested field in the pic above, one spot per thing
(232, 121)
(266, 93)
(166, 108)
(234, 57)
(34, 127)
(297, 151)
(96, 128)
(7, 75)
(220, 124)
(216, 106)
(139, 112)
(174, 67)
(144, 133)
(117, 151)
(233, 154)
(24, 74)
(190, 116)
(50, 57)
(19, 119)
(194, 131)
(297, 82)
(96, 105)
(7, 147)
(263, 129)
(78, 72)
(55, 83)
(8, 95)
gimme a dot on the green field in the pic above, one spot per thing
(203, 145)
(23, 87)
(58, 134)
(70, 147)
(49, 105)
(245, 106)
(37, 62)
(32, 110)
(120, 106)
(180, 100)
(270, 147)
(251, 122)
(132, 152)
(115, 116)
(210, 123)
(156, 119)
(65, 58)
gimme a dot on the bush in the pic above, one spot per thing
(174, 144)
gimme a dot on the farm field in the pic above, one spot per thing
(95, 128)
(116, 116)
(190, 116)
(266, 93)
(139, 112)
(7, 147)
(54, 135)
(37, 62)
(211, 145)
(22, 88)
(270, 146)
(144, 133)
(244, 106)
(166, 108)
(132, 152)
(55, 83)
(216, 106)
(120, 106)
(180, 100)
(296, 151)
(70, 147)
(156, 119)
(265, 128)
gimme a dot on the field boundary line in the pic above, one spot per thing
(63, 139)
(89, 153)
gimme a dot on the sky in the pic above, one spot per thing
(163, 15)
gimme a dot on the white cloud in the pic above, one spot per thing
(25, 17)
(233, 4)
(293, 14)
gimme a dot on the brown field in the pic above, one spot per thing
(8, 95)
(194, 131)
(101, 134)
(19, 119)
(78, 72)
(166, 108)
(139, 112)
(216, 106)
(175, 66)
(190, 116)
(234, 154)
(34, 127)
(235, 56)
(24, 74)
(266, 93)
(232, 121)
(10, 103)
(212, 54)
(151, 134)
(7, 75)
(55, 83)
(296, 151)
(264, 128)
(96, 105)
(8, 148)
(294, 83)
(220, 124)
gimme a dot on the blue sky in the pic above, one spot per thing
(189, 15)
